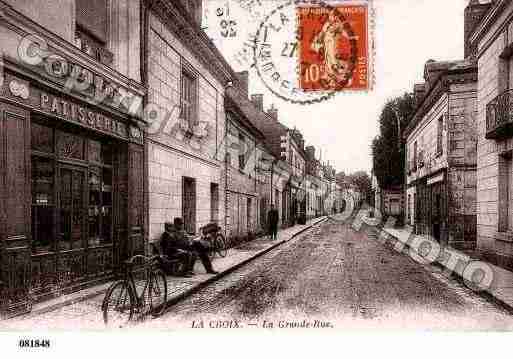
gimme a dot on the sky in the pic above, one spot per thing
(407, 34)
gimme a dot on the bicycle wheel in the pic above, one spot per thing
(118, 305)
(220, 246)
(157, 292)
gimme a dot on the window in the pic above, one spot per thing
(194, 9)
(439, 136)
(242, 150)
(189, 98)
(505, 202)
(249, 214)
(415, 156)
(92, 29)
(43, 203)
(72, 197)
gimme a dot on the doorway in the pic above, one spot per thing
(72, 205)
(189, 204)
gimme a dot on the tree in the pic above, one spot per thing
(387, 148)
(340, 178)
(362, 182)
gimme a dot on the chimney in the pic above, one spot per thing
(273, 112)
(243, 79)
(310, 153)
(474, 13)
(258, 101)
(419, 91)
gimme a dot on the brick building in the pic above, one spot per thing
(186, 77)
(490, 35)
(441, 142)
(71, 136)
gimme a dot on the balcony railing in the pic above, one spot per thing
(499, 116)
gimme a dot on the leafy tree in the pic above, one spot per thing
(362, 181)
(387, 148)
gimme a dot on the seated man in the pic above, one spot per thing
(173, 247)
(197, 246)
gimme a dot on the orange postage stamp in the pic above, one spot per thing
(334, 47)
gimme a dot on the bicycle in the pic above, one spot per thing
(218, 244)
(122, 299)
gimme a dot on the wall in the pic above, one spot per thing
(489, 49)
(425, 134)
(462, 174)
(58, 16)
(170, 155)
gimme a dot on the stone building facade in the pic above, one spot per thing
(492, 40)
(243, 181)
(441, 142)
(186, 77)
(71, 146)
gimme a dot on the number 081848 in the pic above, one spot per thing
(34, 343)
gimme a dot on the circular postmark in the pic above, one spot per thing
(294, 27)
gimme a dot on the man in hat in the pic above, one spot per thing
(184, 242)
(174, 247)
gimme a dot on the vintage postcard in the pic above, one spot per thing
(192, 171)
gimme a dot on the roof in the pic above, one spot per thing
(439, 75)
(177, 19)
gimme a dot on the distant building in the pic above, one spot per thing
(441, 143)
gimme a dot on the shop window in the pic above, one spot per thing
(92, 29)
(99, 152)
(100, 206)
(189, 98)
(41, 138)
(70, 145)
(43, 204)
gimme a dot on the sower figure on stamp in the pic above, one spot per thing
(197, 246)
(273, 217)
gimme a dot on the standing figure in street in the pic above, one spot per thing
(273, 217)
(196, 246)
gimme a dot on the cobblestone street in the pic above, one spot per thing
(334, 276)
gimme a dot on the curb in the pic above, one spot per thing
(195, 288)
(175, 299)
(486, 293)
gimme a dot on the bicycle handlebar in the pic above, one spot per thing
(144, 259)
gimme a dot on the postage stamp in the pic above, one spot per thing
(333, 46)
(293, 49)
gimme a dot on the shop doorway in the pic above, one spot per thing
(72, 206)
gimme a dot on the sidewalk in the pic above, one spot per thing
(501, 289)
(82, 309)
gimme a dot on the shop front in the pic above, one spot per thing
(431, 205)
(72, 190)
